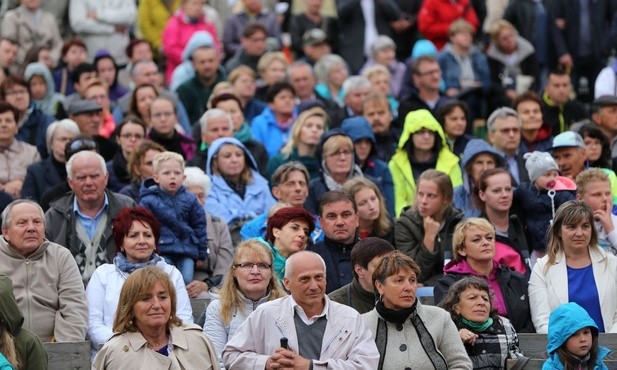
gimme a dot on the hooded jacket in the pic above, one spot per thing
(462, 193)
(358, 128)
(50, 101)
(449, 62)
(224, 202)
(29, 346)
(504, 74)
(564, 321)
(266, 130)
(185, 70)
(400, 165)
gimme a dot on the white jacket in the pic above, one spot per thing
(220, 333)
(347, 342)
(547, 292)
(103, 293)
(100, 33)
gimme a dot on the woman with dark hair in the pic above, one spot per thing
(136, 233)
(15, 155)
(74, 52)
(422, 146)
(598, 150)
(107, 70)
(129, 134)
(139, 167)
(149, 333)
(453, 118)
(474, 254)
(479, 325)
(574, 269)
(373, 217)
(141, 98)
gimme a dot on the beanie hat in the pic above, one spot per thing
(537, 163)
(285, 215)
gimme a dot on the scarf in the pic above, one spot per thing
(399, 317)
(244, 133)
(238, 187)
(331, 184)
(477, 327)
(123, 264)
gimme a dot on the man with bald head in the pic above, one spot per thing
(46, 282)
(305, 330)
(81, 220)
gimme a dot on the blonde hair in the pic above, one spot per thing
(460, 25)
(460, 232)
(231, 298)
(294, 138)
(160, 158)
(377, 69)
(239, 71)
(7, 346)
(382, 225)
(246, 176)
(137, 286)
(590, 175)
(336, 142)
(270, 57)
(219, 89)
(499, 26)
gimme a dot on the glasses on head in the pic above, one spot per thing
(342, 153)
(82, 144)
(248, 266)
(132, 136)
(16, 92)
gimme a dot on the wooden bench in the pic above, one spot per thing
(533, 346)
(68, 355)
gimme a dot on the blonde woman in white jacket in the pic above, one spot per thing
(575, 269)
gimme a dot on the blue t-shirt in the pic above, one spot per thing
(582, 290)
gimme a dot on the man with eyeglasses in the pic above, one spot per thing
(504, 134)
(426, 77)
(253, 42)
(89, 116)
(305, 330)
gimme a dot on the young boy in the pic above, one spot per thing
(540, 198)
(593, 187)
(183, 241)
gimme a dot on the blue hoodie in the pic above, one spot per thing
(224, 202)
(358, 128)
(185, 71)
(462, 193)
(564, 321)
(49, 103)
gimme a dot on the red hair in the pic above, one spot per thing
(284, 216)
(124, 221)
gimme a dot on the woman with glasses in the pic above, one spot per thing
(336, 152)
(129, 134)
(248, 283)
(164, 128)
(422, 146)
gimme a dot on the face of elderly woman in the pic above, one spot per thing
(253, 275)
(58, 143)
(139, 243)
(576, 236)
(153, 310)
(291, 238)
(479, 245)
(8, 127)
(339, 163)
(199, 193)
(399, 290)
(230, 160)
(474, 305)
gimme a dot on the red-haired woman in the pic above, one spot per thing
(136, 233)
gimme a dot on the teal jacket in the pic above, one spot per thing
(400, 166)
(278, 261)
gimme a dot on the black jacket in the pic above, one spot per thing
(337, 257)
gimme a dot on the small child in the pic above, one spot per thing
(184, 241)
(539, 199)
(594, 188)
(573, 340)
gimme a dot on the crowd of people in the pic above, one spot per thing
(305, 167)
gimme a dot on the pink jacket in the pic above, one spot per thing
(176, 35)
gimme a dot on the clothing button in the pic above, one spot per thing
(399, 327)
(403, 347)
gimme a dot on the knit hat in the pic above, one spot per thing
(538, 163)
(285, 215)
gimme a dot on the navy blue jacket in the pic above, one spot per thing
(34, 128)
(182, 218)
(40, 177)
(337, 257)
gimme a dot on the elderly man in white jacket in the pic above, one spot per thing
(333, 336)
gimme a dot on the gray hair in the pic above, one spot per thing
(355, 82)
(6, 214)
(325, 64)
(195, 176)
(298, 64)
(501, 113)
(66, 125)
(137, 66)
(84, 154)
(214, 113)
(290, 262)
(382, 42)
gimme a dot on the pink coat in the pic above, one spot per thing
(176, 35)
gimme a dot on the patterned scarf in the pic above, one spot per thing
(124, 265)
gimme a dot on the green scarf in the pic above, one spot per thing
(477, 327)
(244, 133)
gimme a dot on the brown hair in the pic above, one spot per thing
(383, 224)
(453, 295)
(444, 184)
(138, 155)
(392, 264)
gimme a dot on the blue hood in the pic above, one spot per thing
(472, 149)
(357, 128)
(40, 69)
(564, 321)
(216, 146)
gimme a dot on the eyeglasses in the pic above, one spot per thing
(507, 130)
(132, 136)
(248, 266)
(83, 144)
(16, 92)
(429, 73)
(341, 153)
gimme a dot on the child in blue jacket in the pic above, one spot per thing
(184, 240)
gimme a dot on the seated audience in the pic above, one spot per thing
(139, 167)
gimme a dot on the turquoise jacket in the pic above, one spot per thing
(564, 321)
(400, 166)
